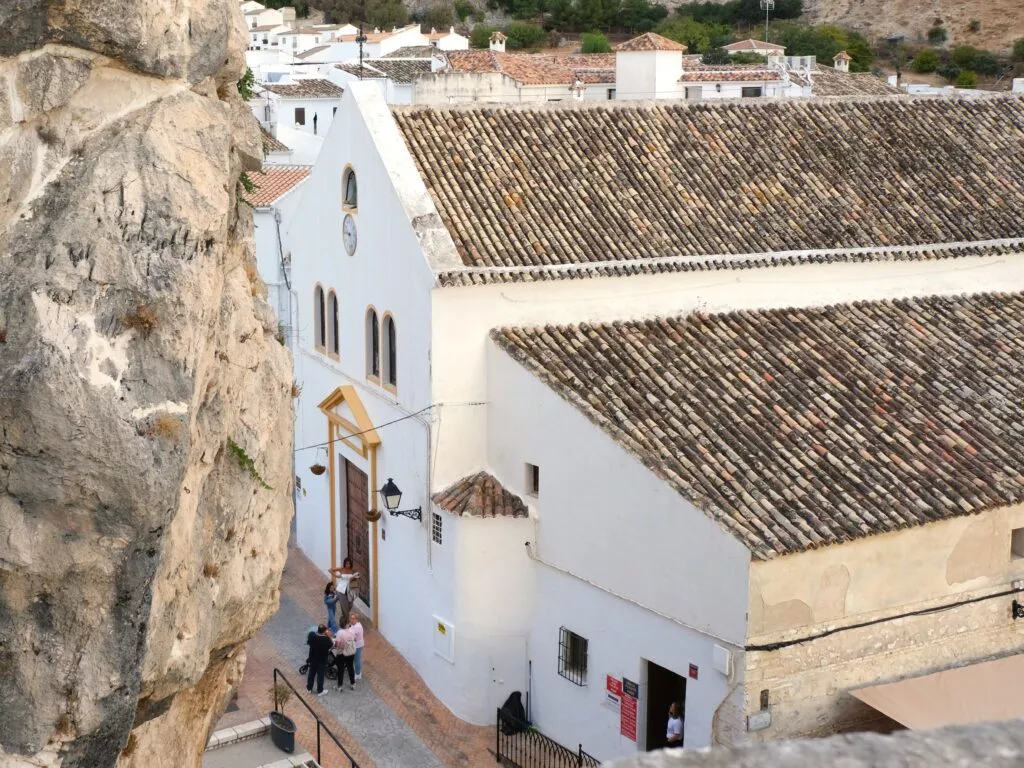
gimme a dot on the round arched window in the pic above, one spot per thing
(349, 189)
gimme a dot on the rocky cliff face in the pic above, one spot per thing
(138, 549)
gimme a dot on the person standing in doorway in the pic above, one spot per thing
(319, 648)
(331, 603)
(357, 629)
(345, 652)
(674, 730)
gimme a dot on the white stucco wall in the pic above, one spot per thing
(648, 74)
(269, 252)
(679, 580)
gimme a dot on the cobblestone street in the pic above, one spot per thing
(390, 719)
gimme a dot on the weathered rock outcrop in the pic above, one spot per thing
(139, 549)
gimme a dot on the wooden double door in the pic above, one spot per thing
(357, 498)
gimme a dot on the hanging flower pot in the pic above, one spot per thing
(318, 469)
(373, 515)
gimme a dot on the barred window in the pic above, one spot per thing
(572, 656)
(435, 528)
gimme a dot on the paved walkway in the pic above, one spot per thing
(390, 719)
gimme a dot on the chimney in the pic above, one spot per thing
(498, 42)
(841, 62)
(578, 89)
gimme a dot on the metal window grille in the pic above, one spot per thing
(436, 529)
(572, 656)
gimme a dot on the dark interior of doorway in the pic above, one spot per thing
(663, 687)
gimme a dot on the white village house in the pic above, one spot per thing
(610, 357)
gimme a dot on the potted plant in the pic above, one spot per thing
(318, 469)
(282, 728)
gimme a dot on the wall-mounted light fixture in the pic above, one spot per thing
(392, 497)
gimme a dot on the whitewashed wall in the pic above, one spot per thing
(268, 254)
(680, 581)
(282, 112)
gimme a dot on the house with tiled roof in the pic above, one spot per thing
(448, 40)
(745, 365)
(760, 47)
(302, 104)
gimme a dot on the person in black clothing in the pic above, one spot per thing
(319, 646)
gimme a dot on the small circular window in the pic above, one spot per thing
(349, 189)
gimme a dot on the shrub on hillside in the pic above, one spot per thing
(439, 17)
(926, 61)
(937, 35)
(969, 57)
(594, 42)
(974, 26)
(967, 79)
(522, 34)
(463, 10)
(480, 37)
(716, 56)
(1018, 50)
(748, 57)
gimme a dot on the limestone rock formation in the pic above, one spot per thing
(145, 404)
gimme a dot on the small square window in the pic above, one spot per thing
(436, 530)
(300, 115)
(572, 656)
(1017, 544)
(533, 479)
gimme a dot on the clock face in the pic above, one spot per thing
(348, 234)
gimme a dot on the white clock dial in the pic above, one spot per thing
(348, 233)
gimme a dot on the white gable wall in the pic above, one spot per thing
(680, 578)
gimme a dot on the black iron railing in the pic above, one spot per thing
(519, 745)
(320, 726)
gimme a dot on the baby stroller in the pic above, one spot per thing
(331, 672)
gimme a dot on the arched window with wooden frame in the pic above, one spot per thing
(319, 319)
(372, 345)
(390, 353)
(333, 343)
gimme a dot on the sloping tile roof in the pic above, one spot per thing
(729, 73)
(537, 68)
(274, 182)
(800, 428)
(314, 88)
(271, 142)
(537, 187)
(402, 70)
(650, 41)
(313, 51)
(367, 71)
(480, 495)
(753, 45)
(413, 52)
(831, 82)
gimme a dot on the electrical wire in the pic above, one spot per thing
(835, 630)
(370, 429)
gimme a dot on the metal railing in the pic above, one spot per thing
(518, 745)
(320, 726)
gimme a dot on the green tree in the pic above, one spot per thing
(926, 61)
(1018, 49)
(463, 9)
(747, 57)
(439, 17)
(594, 42)
(696, 36)
(386, 13)
(967, 79)
(716, 56)
(480, 37)
(522, 34)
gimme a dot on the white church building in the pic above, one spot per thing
(498, 315)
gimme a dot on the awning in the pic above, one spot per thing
(979, 693)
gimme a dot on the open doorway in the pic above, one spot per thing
(663, 687)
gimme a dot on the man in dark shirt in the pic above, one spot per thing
(319, 646)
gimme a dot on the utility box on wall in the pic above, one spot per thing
(444, 639)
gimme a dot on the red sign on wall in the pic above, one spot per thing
(627, 717)
(614, 686)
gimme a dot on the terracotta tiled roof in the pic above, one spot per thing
(413, 52)
(314, 88)
(274, 182)
(537, 68)
(480, 495)
(730, 74)
(753, 45)
(546, 186)
(650, 41)
(843, 56)
(831, 82)
(271, 143)
(800, 428)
